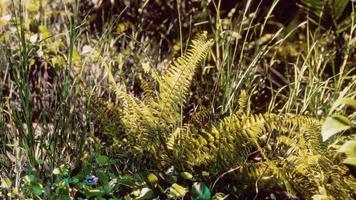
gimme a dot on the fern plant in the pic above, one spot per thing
(148, 122)
(267, 150)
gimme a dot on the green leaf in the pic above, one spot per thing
(349, 101)
(127, 181)
(339, 8)
(343, 101)
(74, 180)
(40, 162)
(186, 175)
(103, 176)
(349, 148)
(29, 178)
(350, 161)
(344, 24)
(36, 190)
(333, 125)
(200, 191)
(103, 160)
(106, 188)
(145, 193)
(177, 191)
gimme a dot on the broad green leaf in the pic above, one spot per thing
(103, 160)
(343, 101)
(339, 8)
(200, 191)
(186, 175)
(349, 101)
(177, 191)
(350, 161)
(349, 148)
(145, 193)
(106, 188)
(333, 125)
(37, 190)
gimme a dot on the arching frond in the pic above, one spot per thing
(174, 86)
(269, 149)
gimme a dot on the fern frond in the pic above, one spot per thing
(282, 150)
(236, 140)
(201, 118)
(295, 164)
(243, 99)
(108, 115)
(149, 91)
(174, 86)
(150, 123)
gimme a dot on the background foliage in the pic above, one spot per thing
(211, 99)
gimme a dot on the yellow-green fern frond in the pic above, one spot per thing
(174, 86)
(201, 118)
(149, 123)
(149, 92)
(108, 115)
(269, 149)
(286, 151)
(243, 99)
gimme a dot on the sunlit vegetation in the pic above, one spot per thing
(177, 99)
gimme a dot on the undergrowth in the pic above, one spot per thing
(177, 99)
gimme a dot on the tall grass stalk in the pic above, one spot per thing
(67, 98)
(309, 91)
(235, 70)
(23, 116)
